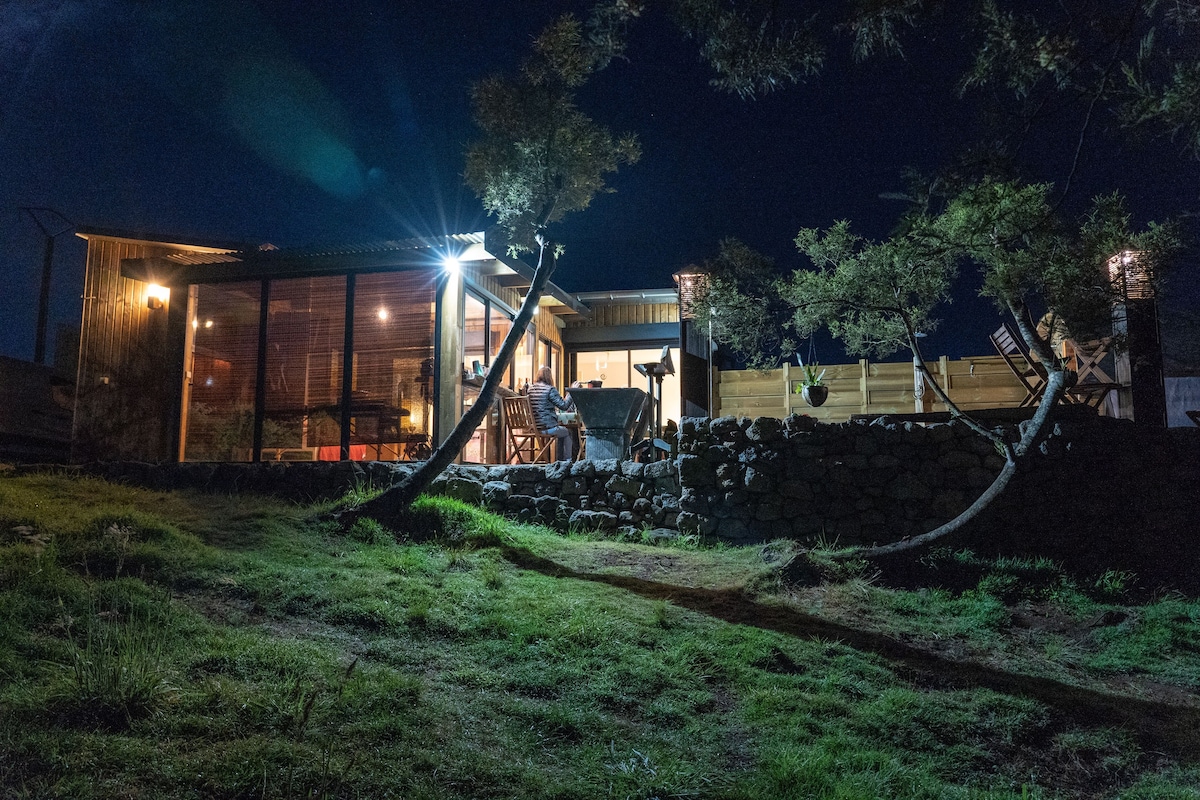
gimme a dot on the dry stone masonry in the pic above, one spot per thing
(743, 480)
(750, 480)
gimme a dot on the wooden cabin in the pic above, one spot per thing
(210, 351)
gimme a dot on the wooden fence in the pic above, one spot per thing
(868, 388)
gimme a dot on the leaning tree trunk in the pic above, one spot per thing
(1014, 454)
(388, 507)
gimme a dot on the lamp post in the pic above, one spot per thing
(1140, 366)
(43, 318)
(695, 347)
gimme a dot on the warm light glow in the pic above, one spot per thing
(208, 323)
(382, 313)
(1132, 272)
(692, 282)
(156, 296)
(195, 323)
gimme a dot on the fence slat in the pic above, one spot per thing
(867, 388)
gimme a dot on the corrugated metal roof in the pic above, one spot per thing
(631, 296)
(198, 243)
(364, 248)
(192, 257)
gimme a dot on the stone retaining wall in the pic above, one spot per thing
(766, 478)
(625, 497)
(879, 481)
(745, 480)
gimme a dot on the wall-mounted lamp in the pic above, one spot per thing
(156, 296)
(451, 264)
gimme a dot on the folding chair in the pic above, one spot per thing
(526, 442)
(1029, 372)
(1032, 374)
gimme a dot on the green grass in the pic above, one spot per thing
(186, 645)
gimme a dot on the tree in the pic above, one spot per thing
(754, 320)
(878, 297)
(539, 158)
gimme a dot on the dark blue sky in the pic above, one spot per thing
(313, 122)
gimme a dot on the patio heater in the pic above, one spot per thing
(1140, 367)
(655, 371)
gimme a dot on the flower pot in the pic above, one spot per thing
(814, 395)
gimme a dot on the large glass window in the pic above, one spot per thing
(306, 324)
(615, 368)
(389, 415)
(475, 334)
(499, 323)
(523, 368)
(549, 355)
(218, 420)
(485, 326)
(391, 407)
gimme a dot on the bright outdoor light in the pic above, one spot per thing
(157, 295)
(382, 313)
(451, 264)
(1132, 272)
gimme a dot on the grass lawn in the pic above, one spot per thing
(187, 645)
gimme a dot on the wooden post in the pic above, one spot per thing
(787, 388)
(944, 374)
(864, 373)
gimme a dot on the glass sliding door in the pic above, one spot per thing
(391, 405)
(615, 369)
(218, 421)
(306, 326)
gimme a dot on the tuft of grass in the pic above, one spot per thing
(369, 531)
(117, 671)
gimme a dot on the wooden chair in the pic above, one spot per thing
(1029, 372)
(526, 442)
(1032, 374)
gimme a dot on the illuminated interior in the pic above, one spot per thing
(388, 415)
(615, 369)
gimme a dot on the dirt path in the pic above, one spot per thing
(1172, 729)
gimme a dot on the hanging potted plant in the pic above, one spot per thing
(812, 387)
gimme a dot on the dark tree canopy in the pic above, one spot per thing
(1125, 63)
(539, 157)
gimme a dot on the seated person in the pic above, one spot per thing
(544, 399)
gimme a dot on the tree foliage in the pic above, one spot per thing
(742, 302)
(539, 156)
(873, 296)
(879, 297)
(752, 48)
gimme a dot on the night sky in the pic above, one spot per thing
(317, 123)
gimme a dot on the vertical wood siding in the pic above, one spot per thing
(123, 386)
(605, 315)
